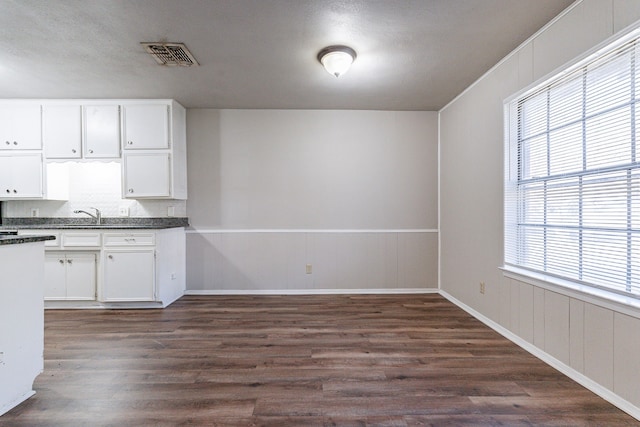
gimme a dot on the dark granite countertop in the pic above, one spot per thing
(15, 240)
(89, 223)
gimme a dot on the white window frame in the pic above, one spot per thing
(571, 286)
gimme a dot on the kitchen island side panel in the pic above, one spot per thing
(21, 321)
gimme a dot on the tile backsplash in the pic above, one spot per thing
(93, 184)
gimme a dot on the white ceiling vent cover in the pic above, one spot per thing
(171, 54)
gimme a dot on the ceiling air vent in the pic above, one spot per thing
(172, 54)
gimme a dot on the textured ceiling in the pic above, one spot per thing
(412, 54)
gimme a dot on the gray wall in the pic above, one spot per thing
(352, 193)
(597, 339)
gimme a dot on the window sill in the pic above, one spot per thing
(611, 300)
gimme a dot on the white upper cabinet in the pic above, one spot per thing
(148, 137)
(146, 127)
(21, 176)
(62, 131)
(20, 127)
(147, 175)
(155, 163)
(101, 131)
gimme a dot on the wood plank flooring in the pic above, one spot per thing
(360, 360)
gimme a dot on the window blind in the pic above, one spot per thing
(572, 190)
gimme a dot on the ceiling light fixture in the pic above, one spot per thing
(337, 59)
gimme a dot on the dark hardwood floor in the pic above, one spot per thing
(388, 360)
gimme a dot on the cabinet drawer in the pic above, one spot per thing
(81, 239)
(129, 239)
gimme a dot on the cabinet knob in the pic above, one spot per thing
(131, 190)
(110, 256)
(90, 151)
(8, 191)
(15, 142)
(69, 261)
(73, 150)
(7, 142)
(15, 191)
(61, 261)
(130, 142)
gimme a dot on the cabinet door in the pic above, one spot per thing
(6, 176)
(54, 276)
(146, 126)
(102, 131)
(129, 275)
(147, 175)
(20, 127)
(81, 276)
(27, 170)
(62, 131)
(21, 176)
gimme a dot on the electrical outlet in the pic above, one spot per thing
(171, 211)
(482, 287)
(309, 269)
(123, 211)
(35, 212)
(173, 276)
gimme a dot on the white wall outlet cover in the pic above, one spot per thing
(35, 212)
(171, 211)
(123, 211)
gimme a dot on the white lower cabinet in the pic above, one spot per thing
(129, 275)
(55, 276)
(70, 276)
(114, 269)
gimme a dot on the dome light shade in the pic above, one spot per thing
(337, 59)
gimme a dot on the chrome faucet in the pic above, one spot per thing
(97, 216)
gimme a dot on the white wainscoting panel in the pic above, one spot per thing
(576, 338)
(598, 344)
(263, 261)
(626, 362)
(556, 326)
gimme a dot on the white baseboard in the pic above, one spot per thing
(309, 231)
(578, 377)
(310, 291)
(7, 406)
(91, 305)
